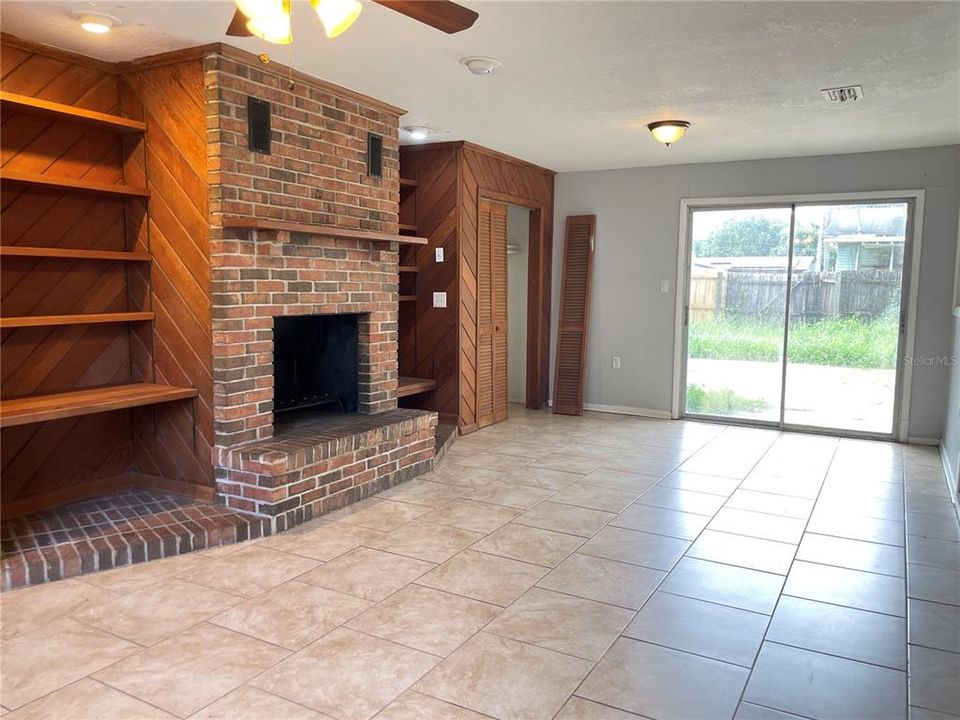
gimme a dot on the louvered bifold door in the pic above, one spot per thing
(574, 314)
(491, 313)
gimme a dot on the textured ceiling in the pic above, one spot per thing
(581, 79)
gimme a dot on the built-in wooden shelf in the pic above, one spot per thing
(74, 184)
(408, 183)
(408, 228)
(414, 386)
(21, 103)
(409, 268)
(252, 223)
(73, 253)
(407, 298)
(74, 319)
(55, 406)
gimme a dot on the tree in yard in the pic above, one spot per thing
(756, 237)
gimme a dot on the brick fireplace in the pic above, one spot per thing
(270, 287)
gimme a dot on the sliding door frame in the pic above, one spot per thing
(911, 278)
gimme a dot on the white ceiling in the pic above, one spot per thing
(581, 79)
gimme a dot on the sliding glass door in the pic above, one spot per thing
(794, 314)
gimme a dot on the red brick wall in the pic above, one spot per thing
(317, 170)
(316, 174)
(257, 276)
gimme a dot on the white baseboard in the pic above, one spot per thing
(626, 410)
(933, 442)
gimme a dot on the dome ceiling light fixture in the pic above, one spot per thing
(668, 131)
(480, 65)
(418, 132)
(96, 23)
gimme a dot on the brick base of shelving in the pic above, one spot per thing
(113, 530)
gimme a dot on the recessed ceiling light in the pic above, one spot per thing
(96, 23)
(418, 132)
(668, 131)
(479, 65)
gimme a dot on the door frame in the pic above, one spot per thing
(911, 279)
(540, 249)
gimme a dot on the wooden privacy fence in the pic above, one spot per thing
(865, 294)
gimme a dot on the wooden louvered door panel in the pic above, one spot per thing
(574, 314)
(492, 314)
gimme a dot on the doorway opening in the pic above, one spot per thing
(518, 267)
(795, 313)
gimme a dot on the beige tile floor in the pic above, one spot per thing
(595, 568)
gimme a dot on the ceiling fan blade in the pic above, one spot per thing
(440, 14)
(238, 25)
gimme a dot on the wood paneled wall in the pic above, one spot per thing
(171, 99)
(45, 463)
(428, 343)
(491, 175)
(452, 178)
(40, 461)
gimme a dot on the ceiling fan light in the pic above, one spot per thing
(336, 15)
(668, 131)
(268, 19)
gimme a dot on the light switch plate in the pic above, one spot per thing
(664, 286)
(439, 299)
(439, 254)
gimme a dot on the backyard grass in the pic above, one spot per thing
(839, 342)
(710, 401)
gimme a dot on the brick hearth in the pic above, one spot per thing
(318, 464)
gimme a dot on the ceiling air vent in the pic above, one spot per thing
(849, 93)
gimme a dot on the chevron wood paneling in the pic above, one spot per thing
(43, 459)
(452, 180)
(490, 175)
(428, 342)
(55, 461)
(170, 98)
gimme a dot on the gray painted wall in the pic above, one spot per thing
(638, 213)
(518, 233)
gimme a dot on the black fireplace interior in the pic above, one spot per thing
(315, 363)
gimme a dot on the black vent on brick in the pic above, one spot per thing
(374, 155)
(258, 125)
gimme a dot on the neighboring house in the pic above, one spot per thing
(865, 252)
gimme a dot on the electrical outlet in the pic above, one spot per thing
(439, 254)
(616, 362)
(664, 286)
(439, 299)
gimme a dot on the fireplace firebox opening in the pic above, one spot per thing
(315, 363)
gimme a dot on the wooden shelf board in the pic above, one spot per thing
(408, 228)
(69, 113)
(252, 223)
(73, 253)
(55, 406)
(414, 386)
(74, 184)
(76, 319)
(408, 183)
(407, 298)
(409, 268)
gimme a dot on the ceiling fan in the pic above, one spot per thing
(270, 19)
